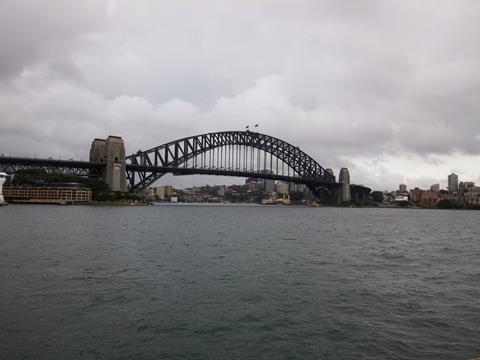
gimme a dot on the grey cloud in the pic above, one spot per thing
(35, 31)
(340, 78)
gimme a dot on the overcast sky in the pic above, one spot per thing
(390, 89)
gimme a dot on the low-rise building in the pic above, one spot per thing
(471, 196)
(281, 187)
(159, 193)
(47, 194)
(430, 199)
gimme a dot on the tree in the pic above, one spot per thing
(296, 196)
(448, 204)
(377, 196)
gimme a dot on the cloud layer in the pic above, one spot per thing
(390, 89)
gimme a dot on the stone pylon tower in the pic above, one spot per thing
(344, 180)
(111, 151)
(330, 171)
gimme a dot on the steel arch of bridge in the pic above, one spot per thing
(146, 167)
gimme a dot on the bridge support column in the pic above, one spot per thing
(111, 152)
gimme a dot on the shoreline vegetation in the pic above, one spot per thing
(102, 195)
(141, 203)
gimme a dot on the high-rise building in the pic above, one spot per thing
(452, 182)
(344, 180)
(402, 188)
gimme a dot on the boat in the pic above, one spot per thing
(3, 178)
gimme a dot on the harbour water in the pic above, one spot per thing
(238, 282)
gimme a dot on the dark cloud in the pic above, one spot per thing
(359, 83)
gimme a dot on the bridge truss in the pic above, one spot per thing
(12, 165)
(230, 153)
(227, 153)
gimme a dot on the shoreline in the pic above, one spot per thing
(143, 204)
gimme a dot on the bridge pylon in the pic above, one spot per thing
(111, 152)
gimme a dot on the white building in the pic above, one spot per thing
(281, 188)
(3, 178)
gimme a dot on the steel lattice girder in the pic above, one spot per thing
(11, 165)
(150, 165)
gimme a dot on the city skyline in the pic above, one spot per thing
(395, 104)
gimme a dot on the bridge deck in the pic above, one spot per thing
(230, 172)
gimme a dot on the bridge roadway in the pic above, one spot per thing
(227, 172)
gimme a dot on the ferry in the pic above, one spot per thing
(3, 178)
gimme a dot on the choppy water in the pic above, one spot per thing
(238, 282)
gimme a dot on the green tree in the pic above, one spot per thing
(448, 204)
(377, 196)
(296, 196)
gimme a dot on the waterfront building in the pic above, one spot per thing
(254, 184)
(298, 187)
(464, 186)
(344, 179)
(452, 182)
(430, 199)
(402, 188)
(168, 191)
(48, 194)
(3, 178)
(221, 190)
(150, 193)
(268, 184)
(401, 200)
(416, 194)
(159, 193)
(471, 195)
(435, 188)
(281, 188)
(260, 185)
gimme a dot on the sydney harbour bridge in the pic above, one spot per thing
(227, 153)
